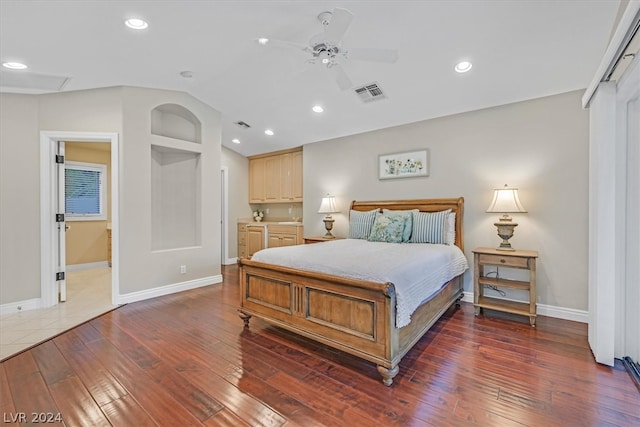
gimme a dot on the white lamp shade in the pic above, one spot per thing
(505, 200)
(328, 205)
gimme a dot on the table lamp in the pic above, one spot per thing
(328, 206)
(505, 201)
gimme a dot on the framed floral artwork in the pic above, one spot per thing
(404, 165)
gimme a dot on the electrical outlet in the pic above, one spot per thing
(290, 210)
(183, 269)
(266, 211)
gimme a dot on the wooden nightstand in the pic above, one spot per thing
(525, 260)
(318, 239)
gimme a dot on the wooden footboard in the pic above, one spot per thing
(350, 315)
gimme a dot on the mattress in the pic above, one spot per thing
(417, 270)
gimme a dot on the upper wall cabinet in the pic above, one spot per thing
(175, 121)
(276, 177)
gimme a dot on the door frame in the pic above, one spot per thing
(224, 217)
(48, 226)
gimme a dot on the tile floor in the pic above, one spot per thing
(88, 295)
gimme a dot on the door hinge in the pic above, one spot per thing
(59, 159)
(60, 275)
(59, 217)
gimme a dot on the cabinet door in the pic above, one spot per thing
(255, 239)
(296, 176)
(285, 177)
(288, 240)
(272, 179)
(274, 241)
(257, 180)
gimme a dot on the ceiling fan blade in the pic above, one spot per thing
(373, 54)
(283, 43)
(343, 80)
(339, 24)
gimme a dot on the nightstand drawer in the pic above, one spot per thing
(506, 260)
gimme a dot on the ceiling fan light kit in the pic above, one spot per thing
(326, 47)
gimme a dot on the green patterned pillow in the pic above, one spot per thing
(387, 228)
(408, 218)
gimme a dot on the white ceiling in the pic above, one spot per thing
(519, 49)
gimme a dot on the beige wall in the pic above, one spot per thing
(540, 146)
(19, 198)
(87, 240)
(126, 111)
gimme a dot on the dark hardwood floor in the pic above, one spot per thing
(186, 359)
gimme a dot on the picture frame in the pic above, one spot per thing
(409, 164)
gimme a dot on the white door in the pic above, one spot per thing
(61, 224)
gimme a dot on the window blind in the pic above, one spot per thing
(83, 190)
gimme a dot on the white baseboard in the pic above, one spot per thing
(87, 266)
(581, 316)
(230, 261)
(168, 289)
(17, 307)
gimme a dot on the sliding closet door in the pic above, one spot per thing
(628, 289)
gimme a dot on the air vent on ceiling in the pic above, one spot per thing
(243, 125)
(370, 92)
(32, 82)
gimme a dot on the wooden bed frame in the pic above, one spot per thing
(354, 316)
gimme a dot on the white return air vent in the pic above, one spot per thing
(369, 93)
(25, 82)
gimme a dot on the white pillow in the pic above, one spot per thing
(450, 234)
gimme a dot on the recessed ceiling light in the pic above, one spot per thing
(263, 40)
(269, 132)
(235, 141)
(136, 24)
(14, 65)
(317, 109)
(463, 66)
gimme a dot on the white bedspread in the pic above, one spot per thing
(417, 270)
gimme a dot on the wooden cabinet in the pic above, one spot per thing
(296, 176)
(525, 260)
(255, 238)
(276, 177)
(251, 239)
(257, 180)
(272, 178)
(284, 235)
(242, 240)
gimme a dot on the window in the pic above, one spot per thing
(85, 191)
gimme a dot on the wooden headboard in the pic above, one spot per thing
(424, 205)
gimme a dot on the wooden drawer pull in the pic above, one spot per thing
(503, 260)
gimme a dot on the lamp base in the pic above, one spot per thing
(328, 225)
(505, 231)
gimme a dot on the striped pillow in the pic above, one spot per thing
(429, 227)
(360, 224)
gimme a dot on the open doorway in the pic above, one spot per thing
(54, 224)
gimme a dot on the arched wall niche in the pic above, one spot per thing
(175, 121)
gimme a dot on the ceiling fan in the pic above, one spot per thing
(326, 48)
